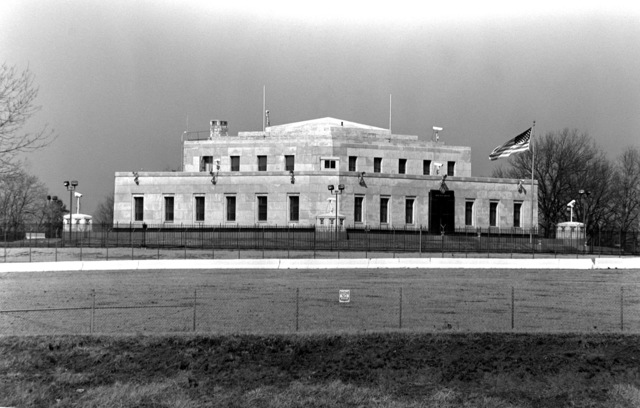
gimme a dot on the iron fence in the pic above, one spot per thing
(317, 239)
(325, 309)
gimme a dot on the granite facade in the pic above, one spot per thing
(321, 151)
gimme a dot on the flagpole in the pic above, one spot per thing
(533, 158)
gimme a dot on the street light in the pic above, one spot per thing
(586, 193)
(337, 193)
(71, 186)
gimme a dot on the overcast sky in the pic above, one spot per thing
(121, 80)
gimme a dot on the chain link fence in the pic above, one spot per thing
(603, 308)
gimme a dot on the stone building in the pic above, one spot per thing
(282, 176)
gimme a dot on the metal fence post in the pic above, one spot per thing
(93, 311)
(513, 308)
(195, 301)
(622, 308)
(400, 313)
(297, 309)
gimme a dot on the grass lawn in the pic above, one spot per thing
(283, 301)
(338, 370)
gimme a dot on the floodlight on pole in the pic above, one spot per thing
(436, 129)
(71, 186)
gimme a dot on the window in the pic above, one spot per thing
(199, 209)
(468, 213)
(138, 204)
(451, 168)
(352, 163)
(493, 214)
(262, 208)
(168, 209)
(377, 164)
(357, 209)
(329, 164)
(402, 166)
(290, 163)
(294, 208)
(426, 167)
(206, 163)
(262, 163)
(384, 210)
(231, 208)
(517, 212)
(235, 163)
(408, 210)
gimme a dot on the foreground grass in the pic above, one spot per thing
(370, 370)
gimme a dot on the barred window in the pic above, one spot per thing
(493, 214)
(402, 166)
(517, 212)
(468, 213)
(294, 208)
(262, 163)
(290, 163)
(168, 209)
(377, 164)
(262, 208)
(235, 163)
(231, 208)
(138, 208)
(357, 209)
(352, 163)
(426, 167)
(408, 211)
(199, 209)
(384, 210)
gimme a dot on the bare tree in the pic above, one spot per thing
(625, 195)
(565, 163)
(17, 105)
(22, 201)
(104, 212)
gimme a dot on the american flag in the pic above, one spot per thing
(518, 144)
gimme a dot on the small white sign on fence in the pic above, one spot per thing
(344, 296)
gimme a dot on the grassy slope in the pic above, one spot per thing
(384, 370)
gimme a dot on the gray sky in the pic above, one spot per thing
(120, 80)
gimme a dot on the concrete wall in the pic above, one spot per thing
(313, 192)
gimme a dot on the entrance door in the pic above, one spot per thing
(441, 211)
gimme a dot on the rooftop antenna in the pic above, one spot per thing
(264, 107)
(389, 113)
(436, 129)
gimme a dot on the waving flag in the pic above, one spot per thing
(518, 144)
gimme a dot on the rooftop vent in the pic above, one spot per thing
(218, 128)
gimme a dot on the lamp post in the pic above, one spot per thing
(585, 194)
(337, 193)
(71, 186)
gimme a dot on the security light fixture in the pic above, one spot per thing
(437, 129)
(71, 186)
